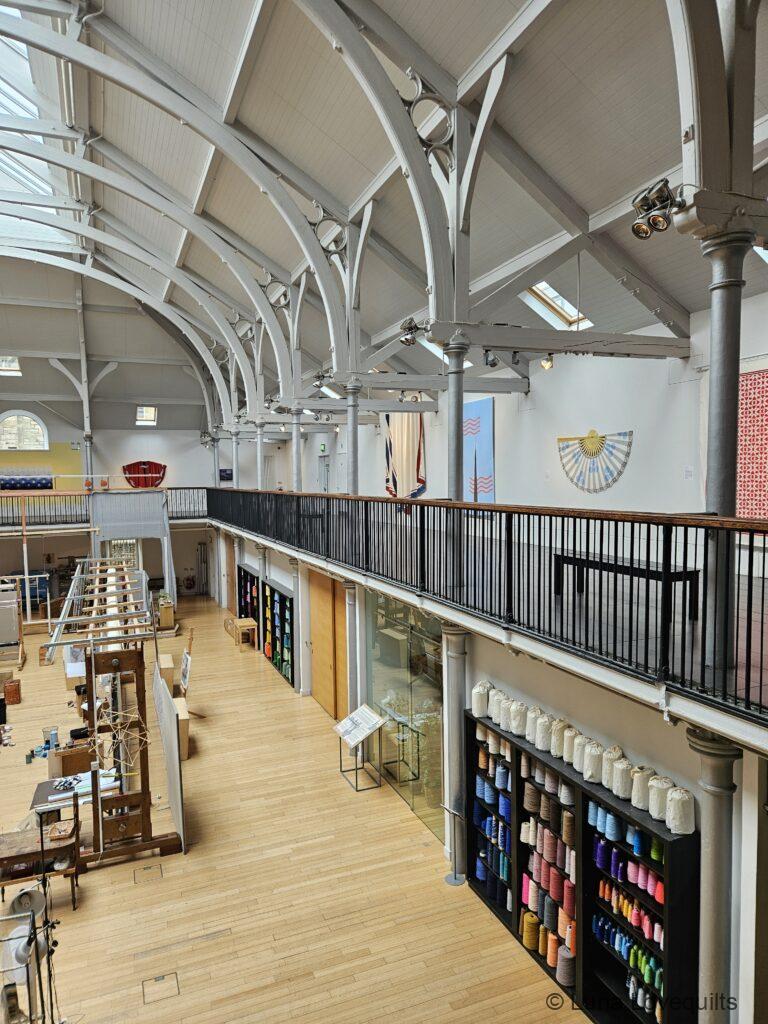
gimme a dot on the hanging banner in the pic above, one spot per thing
(479, 471)
(404, 452)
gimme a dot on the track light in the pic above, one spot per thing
(653, 208)
(409, 328)
(492, 360)
(318, 381)
(548, 362)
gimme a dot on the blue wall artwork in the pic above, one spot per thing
(479, 480)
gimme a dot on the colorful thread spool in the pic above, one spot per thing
(481, 733)
(525, 766)
(602, 814)
(613, 828)
(556, 885)
(551, 781)
(537, 867)
(552, 947)
(555, 816)
(543, 937)
(562, 922)
(569, 897)
(531, 799)
(502, 775)
(539, 774)
(531, 931)
(572, 866)
(533, 895)
(565, 793)
(592, 813)
(494, 742)
(568, 828)
(481, 870)
(482, 759)
(544, 807)
(546, 874)
(550, 847)
(540, 907)
(539, 838)
(479, 786)
(565, 972)
(550, 914)
(562, 853)
(632, 872)
(489, 793)
(526, 885)
(505, 807)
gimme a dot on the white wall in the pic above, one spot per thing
(189, 464)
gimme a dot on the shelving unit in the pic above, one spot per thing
(248, 598)
(601, 976)
(277, 629)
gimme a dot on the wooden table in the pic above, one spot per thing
(21, 860)
(245, 632)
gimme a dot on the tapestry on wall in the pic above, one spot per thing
(594, 462)
(144, 474)
(404, 451)
(479, 477)
(752, 459)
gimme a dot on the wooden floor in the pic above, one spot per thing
(299, 900)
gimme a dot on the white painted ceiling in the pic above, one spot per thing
(591, 97)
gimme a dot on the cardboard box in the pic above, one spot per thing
(183, 712)
(12, 691)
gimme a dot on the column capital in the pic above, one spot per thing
(458, 344)
(353, 387)
(742, 238)
(709, 744)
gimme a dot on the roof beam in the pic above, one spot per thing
(367, 405)
(253, 40)
(439, 382)
(37, 126)
(492, 337)
(528, 21)
(386, 35)
(204, 186)
(32, 199)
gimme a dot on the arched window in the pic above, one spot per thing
(22, 432)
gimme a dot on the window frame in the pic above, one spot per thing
(31, 416)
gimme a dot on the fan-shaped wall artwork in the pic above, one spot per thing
(595, 461)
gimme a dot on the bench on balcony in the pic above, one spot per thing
(626, 567)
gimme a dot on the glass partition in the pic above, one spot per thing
(405, 684)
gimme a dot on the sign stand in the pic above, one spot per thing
(354, 730)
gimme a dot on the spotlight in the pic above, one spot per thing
(653, 208)
(318, 381)
(492, 360)
(409, 328)
(548, 362)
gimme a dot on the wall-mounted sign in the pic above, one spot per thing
(225, 475)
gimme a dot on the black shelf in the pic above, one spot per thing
(600, 988)
(248, 600)
(277, 629)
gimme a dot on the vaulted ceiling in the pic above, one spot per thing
(588, 116)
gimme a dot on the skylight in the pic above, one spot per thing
(9, 366)
(146, 415)
(554, 308)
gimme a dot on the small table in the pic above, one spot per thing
(245, 632)
(21, 859)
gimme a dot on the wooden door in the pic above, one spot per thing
(340, 648)
(231, 574)
(321, 634)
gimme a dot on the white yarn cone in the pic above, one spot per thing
(480, 700)
(494, 705)
(641, 776)
(494, 742)
(543, 732)
(518, 717)
(558, 732)
(593, 761)
(621, 778)
(611, 755)
(530, 723)
(569, 739)
(579, 745)
(658, 791)
(506, 708)
(681, 811)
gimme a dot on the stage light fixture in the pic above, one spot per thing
(548, 362)
(409, 328)
(491, 360)
(653, 208)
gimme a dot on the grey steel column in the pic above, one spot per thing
(352, 391)
(296, 450)
(235, 459)
(260, 455)
(454, 702)
(296, 637)
(456, 350)
(350, 591)
(726, 254)
(716, 804)
(216, 465)
(88, 452)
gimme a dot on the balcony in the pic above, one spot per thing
(35, 509)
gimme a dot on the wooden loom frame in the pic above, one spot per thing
(108, 613)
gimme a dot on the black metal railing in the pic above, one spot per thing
(49, 509)
(187, 502)
(676, 599)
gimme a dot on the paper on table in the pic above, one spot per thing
(358, 725)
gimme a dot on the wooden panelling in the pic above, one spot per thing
(340, 647)
(321, 632)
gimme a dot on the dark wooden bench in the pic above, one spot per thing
(623, 567)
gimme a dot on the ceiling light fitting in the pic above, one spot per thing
(654, 207)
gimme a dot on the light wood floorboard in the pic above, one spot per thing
(299, 900)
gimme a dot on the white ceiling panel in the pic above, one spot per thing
(162, 233)
(200, 39)
(454, 34)
(142, 131)
(385, 296)
(303, 101)
(593, 98)
(236, 202)
(19, 278)
(394, 218)
(24, 327)
(505, 220)
(207, 265)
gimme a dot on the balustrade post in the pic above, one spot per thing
(662, 657)
(422, 548)
(508, 569)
